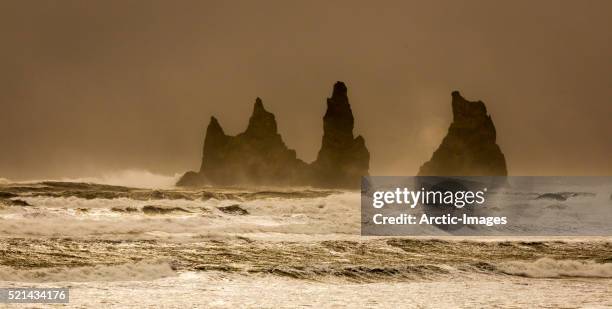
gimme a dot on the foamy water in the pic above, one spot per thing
(118, 246)
(223, 290)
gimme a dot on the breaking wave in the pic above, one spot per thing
(132, 178)
(78, 231)
(82, 217)
(139, 271)
(550, 268)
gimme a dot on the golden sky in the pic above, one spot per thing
(92, 86)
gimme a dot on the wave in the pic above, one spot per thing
(133, 178)
(88, 191)
(564, 196)
(125, 217)
(358, 260)
(355, 273)
(550, 268)
(139, 271)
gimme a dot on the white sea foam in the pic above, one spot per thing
(124, 272)
(223, 290)
(336, 214)
(78, 217)
(72, 202)
(132, 178)
(245, 242)
(550, 268)
(135, 178)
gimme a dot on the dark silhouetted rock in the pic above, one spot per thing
(233, 210)
(469, 148)
(343, 159)
(258, 156)
(191, 179)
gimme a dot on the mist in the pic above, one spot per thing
(92, 87)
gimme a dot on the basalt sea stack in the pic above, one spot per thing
(259, 156)
(255, 157)
(469, 148)
(343, 158)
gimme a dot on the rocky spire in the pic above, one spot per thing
(214, 141)
(262, 123)
(469, 148)
(338, 120)
(342, 159)
(258, 156)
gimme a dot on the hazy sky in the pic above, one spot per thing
(93, 86)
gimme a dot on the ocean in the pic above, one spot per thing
(122, 246)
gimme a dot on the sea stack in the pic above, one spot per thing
(258, 156)
(469, 148)
(342, 159)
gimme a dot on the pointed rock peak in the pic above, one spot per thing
(342, 159)
(258, 106)
(261, 122)
(214, 120)
(339, 90)
(214, 127)
(259, 110)
(466, 110)
(469, 147)
(338, 119)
